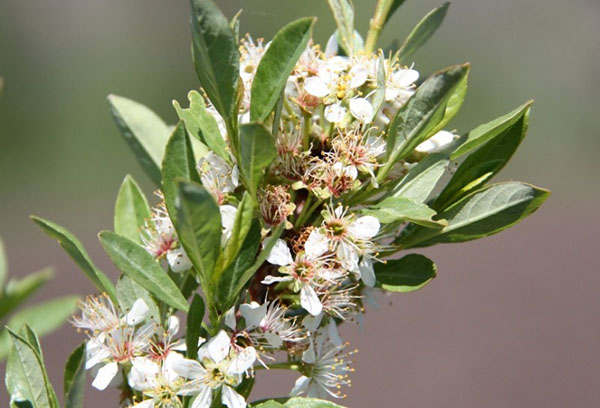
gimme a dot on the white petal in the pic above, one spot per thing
(270, 279)
(405, 77)
(316, 244)
(312, 323)
(105, 376)
(95, 352)
(316, 87)
(231, 398)
(300, 386)
(149, 403)
(332, 46)
(280, 254)
(436, 142)
(310, 301)
(333, 333)
(187, 368)
(227, 221)
(230, 320)
(173, 325)
(218, 346)
(243, 361)
(204, 398)
(143, 373)
(335, 113)
(178, 260)
(309, 356)
(348, 256)
(235, 176)
(137, 314)
(361, 109)
(367, 273)
(359, 74)
(253, 313)
(365, 227)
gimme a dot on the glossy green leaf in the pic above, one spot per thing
(135, 262)
(422, 32)
(194, 326)
(417, 120)
(488, 131)
(241, 226)
(276, 65)
(453, 105)
(400, 209)
(202, 125)
(299, 402)
(19, 290)
(216, 56)
(26, 379)
(269, 404)
(74, 378)
(131, 210)
(3, 265)
(199, 228)
(76, 251)
(406, 274)
(422, 179)
(43, 317)
(257, 150)
(128, 291)
(483, 212)
(343, 14)
(143, 130)
(178, 164)
(481, 165)
(235, 277)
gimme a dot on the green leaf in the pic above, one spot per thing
(128, 291)
(276, 65)
(269, 404)
(143, 130)
(235, 277)
(43, 317)
(194, 326)
(343, 13)
(135, 262)
(417, 120)
(299, 402)
(17, 291)
(178, 163)
(406, 274)
(202, 125)
(216, 56)
(241, 226)
(76, 251)
(26, 378)
(454, 104)
(395, 5)
(483, 212)
(488, 131)
(422, 32)
(74, 378)
(422, 179)
(131, 210)
(257, 149)
(379, 95)
(481, 165)
(3, 265)
(400, 209)
(199, 228)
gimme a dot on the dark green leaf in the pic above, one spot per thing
(76, 251)
(235, 277)
(276, 65)
(74, 378)
(241, 226)
(202, 125)
(406, 274)
(422, 32)
(343, 13)
(178, 163)
(400, 209)
(143, 130)
(131, 210)
(481, 165)
(216, 56)
(257, 149)
(453, 105)
(199, 228)
(483, 212)
(135, 262)
(422, 179)
(17, 291)
(194, 326)
(128, 291)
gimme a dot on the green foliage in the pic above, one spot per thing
(276, 65)
(241, 226)
(406, 274)
(128, 291)
(257, 150)
(422, 32)
(74, 378)
(296, 402)
(422, 179)
(194, 326)
(18, 290)
(395, 209)
(143, 130)
(343, 13)
(139, 265)
(75, 250)
(131, 210)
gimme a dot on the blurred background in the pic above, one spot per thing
(511, 321)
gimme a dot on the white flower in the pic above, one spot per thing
(361, 109)
(157, 381)
(400, 84)
(267, 325)
(436, 142)
(98, 314)
(228, 213)
(335, 112)
(217, 176)
(329, 370)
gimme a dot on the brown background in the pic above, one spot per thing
(511, 321)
